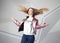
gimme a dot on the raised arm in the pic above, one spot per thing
(39, 26)
(16, 21)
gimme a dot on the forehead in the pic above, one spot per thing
(31, 9)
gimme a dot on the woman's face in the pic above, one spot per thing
(30, 12)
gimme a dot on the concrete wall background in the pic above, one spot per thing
(9, 31)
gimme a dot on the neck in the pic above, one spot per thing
(30, 15)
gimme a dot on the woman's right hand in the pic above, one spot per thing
(15, 21)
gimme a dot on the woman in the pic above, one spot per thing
(30, 25)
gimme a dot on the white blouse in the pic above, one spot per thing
(28, 26)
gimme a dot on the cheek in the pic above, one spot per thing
(30, 12)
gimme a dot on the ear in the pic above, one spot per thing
(23, 9)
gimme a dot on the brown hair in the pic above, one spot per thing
(35, 11)
(32, 9)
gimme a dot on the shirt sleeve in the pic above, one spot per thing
(39, 26)
(17, 22)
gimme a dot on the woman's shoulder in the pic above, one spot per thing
(35, 19)
(24, 19)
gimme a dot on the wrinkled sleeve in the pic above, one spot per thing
(17, 22)
(39, 26)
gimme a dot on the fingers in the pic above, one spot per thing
(46, 24)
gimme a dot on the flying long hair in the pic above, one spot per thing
(36, 11)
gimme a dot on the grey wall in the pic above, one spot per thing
(54, 34)
(52, 20)
(9, 31)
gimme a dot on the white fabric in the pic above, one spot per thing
(28, 26)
